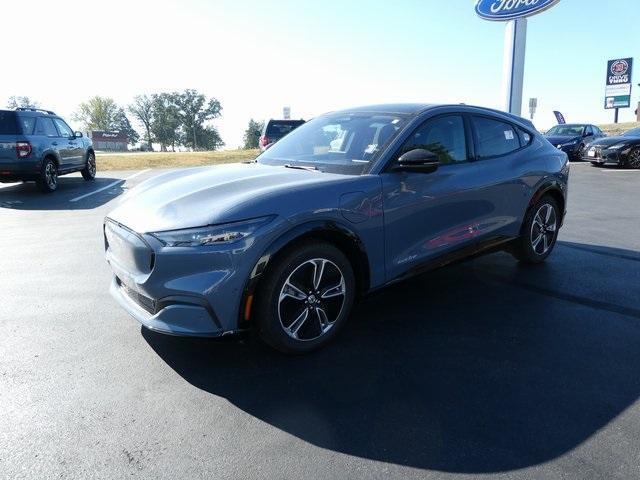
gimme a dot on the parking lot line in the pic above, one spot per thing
(112, 184)
(7, 185)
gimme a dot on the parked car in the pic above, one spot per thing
(274, 130)
(287, 244)
(572, 138)
(621, 151)
(37, 145)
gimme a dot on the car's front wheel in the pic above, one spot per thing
(89, 170)
(633, 160)
(305, 298)
(539, 232)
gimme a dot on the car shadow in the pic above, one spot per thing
(468, 369)
(27, 195)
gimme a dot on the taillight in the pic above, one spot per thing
(23, 149)
(264, 141)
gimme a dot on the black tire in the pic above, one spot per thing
(326, 308)
(633, 159)
(537, 239)
(89, 171)
(48, 180)
(577, 156)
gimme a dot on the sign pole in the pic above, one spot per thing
(615, 118)
(515, 44)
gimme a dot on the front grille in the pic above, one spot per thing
(128, 248)
(143, 301)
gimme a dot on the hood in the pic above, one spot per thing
(608, 141)
(562, 139)
(196, 197)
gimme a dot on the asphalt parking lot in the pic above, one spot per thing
(484, 368)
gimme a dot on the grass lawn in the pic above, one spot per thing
(142, 160)
(612, 129)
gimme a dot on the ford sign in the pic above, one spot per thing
(502, 10)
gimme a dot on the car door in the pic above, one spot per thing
(428, 215)
(70, 146)
(501, 169)
(45, 128)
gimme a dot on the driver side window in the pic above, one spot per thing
(444, 136)
(62, 128)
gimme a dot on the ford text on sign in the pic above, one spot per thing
(501, 10)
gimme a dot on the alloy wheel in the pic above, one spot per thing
(311, 299)
(634, 159)
(51, 175)
(91, 165)
(543, 229)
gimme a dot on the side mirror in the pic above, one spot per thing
(78, 135)
(417, 160)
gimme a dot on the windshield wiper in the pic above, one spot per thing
(301, 167)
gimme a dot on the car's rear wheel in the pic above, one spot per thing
(89, 171)
(633, 160)
(539, 232)
(48, 181)
(305, 298)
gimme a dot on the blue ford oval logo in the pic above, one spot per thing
(502, 10)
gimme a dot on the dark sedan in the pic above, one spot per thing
(621, 151)
(572, 138)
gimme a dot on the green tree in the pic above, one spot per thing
(194, 110)
(98, 113)
(208, 137)
(142, 111)
(166, 121)
(123, 125)
(21, 102)
(252, 134)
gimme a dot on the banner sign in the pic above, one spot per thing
(503, 10)
(618, 87)
(559, 117)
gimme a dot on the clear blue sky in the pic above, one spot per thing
(316, 56)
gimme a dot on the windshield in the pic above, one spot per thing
(337, 143)
(566, 130)
(634, 132)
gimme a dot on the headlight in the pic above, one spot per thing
(211, 235)
(617, 146)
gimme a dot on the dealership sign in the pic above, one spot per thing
(618, 87)
(502, 10)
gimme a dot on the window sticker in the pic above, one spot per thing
(508, 134)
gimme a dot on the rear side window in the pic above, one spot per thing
(27, 124)
(525, 137)
(281, 128)
(494, 137)
(8, 123)
(444, 136)
(45, 126)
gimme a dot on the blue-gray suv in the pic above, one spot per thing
(345, 204)
(37, 145)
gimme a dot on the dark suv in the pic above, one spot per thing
(37, 145)
(274, 130)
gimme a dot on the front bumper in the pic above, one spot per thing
(186, 291)
(174, 318)
(603, 156)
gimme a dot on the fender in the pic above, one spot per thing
(49, 152)
(297, 233)
(550, 185)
